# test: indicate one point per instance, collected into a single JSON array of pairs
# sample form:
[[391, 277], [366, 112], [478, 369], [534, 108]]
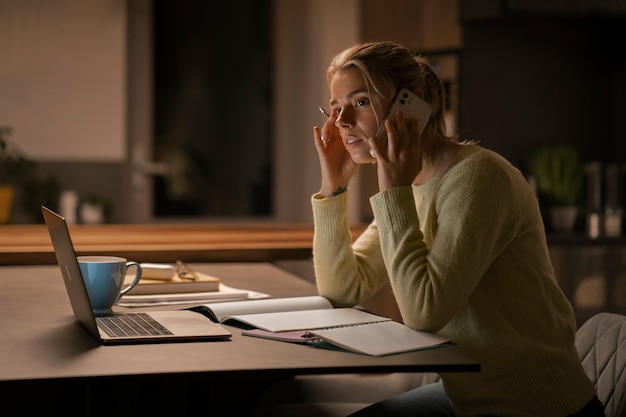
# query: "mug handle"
[[137, 277]]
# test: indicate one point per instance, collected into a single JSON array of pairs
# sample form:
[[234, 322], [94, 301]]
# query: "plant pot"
[[91, 213], [563, 219], [6, 203]]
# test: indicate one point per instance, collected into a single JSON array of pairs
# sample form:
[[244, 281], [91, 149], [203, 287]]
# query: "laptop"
[[123, 327]]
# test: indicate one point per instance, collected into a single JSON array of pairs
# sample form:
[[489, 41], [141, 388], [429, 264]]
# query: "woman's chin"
[[362, 157]]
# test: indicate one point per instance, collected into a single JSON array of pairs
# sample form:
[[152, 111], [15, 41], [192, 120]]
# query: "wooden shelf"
[[31, 245]]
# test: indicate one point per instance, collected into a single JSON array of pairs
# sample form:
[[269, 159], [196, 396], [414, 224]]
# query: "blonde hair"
[[387, 67]]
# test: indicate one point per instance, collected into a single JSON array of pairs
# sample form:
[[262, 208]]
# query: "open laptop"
[[123, 328]]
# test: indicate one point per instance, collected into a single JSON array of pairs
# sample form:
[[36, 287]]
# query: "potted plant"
[[558, 174], [94, 209], [14, 169]]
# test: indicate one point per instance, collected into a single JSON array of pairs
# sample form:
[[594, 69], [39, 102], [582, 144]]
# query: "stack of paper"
[[163, 284], [225, 293]]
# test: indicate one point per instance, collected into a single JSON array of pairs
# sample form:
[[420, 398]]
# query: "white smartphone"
[[412, 106]]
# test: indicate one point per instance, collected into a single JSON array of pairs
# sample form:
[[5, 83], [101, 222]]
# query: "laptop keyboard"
[[130, 324]]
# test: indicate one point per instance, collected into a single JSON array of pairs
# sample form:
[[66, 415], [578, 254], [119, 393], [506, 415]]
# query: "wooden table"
[[30, 244], [49, 363]]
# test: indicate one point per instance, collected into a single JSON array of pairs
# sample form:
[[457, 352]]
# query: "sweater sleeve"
[[472, 216], [346, 272]]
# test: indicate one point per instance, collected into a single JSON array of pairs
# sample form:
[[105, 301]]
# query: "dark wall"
[[528, 79]]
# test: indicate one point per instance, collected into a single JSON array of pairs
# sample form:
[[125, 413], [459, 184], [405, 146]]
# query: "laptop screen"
[[72, 277]]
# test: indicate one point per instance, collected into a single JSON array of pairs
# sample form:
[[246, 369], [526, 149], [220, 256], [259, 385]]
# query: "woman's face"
[[356, 118]]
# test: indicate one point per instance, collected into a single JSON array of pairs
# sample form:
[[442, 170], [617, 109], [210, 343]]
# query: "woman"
[[458, 234]]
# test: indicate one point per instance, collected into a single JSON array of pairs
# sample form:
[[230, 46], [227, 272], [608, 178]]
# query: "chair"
[[601, 346]]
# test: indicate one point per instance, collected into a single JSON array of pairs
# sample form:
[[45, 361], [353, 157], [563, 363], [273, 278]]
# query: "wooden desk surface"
[[43, 349], [30, 244], [42, 340]]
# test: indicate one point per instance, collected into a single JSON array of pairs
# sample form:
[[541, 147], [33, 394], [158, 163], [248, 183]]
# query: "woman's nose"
[[344, 119]]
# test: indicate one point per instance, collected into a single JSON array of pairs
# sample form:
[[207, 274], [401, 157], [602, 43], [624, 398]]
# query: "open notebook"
[[126, 328], [314, 321]]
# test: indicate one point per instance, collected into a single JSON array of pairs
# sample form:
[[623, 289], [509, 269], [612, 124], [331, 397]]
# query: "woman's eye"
[[362, 102], [337, 111]]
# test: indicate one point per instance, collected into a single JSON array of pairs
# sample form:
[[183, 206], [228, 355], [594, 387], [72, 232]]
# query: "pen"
[[324, 112]]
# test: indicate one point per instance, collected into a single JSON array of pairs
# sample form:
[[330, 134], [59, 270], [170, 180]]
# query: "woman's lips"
[[351, 140]]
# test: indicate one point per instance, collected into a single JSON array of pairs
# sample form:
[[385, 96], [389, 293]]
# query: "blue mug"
[[104, 279]]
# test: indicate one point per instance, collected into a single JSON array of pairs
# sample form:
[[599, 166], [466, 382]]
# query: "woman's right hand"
[[337, 166]]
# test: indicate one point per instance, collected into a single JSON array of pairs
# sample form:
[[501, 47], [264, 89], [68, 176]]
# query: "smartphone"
[[412, 106]]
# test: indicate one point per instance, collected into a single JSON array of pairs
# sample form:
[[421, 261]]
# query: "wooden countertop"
[[31, 245]]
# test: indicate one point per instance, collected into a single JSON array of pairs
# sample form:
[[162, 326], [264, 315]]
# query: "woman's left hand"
[[400, 159]]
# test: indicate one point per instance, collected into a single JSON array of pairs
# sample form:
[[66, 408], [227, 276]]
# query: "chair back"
[[601, 346]]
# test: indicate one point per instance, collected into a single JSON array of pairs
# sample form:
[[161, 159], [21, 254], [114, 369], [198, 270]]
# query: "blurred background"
[[162, 111], [193, 111]]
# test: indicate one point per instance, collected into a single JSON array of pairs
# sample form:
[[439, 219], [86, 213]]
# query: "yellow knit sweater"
[[467, 258]]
